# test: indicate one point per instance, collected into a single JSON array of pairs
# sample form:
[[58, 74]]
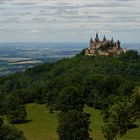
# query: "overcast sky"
[[68, 20]]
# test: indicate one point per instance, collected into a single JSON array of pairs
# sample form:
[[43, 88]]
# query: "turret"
[[91, 40], [112, 40], [91, 43], [104, 39], [118, 44], [97, 38], [97, 35]]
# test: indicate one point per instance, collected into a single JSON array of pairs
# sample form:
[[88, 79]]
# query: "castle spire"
[[119, 43], [112, 40], [97, 38], [97, 35], [91, 40], [104, 39]]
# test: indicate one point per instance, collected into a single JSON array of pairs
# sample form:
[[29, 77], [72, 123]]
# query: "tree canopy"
[[70, 84]]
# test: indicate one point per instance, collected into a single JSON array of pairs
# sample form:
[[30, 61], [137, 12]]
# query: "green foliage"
[[73, 125], [70, 98], [110, 131], [8, 132], [16, 111], [135, 100], [73, 122], [1, 122], [98, 77], [2, 110], [82, 52], [122, 116], [119, 122], [129, 56], [71, 83]]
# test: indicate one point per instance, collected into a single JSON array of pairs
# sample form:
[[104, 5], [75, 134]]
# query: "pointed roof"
[[91, 40], [104, 39], [97, 37], [112, 40], [118, 42]]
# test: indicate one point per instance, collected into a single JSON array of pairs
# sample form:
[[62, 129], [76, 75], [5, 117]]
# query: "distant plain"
[[16, 57]]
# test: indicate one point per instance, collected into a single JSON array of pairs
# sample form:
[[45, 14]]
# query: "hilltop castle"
[[104, 47]]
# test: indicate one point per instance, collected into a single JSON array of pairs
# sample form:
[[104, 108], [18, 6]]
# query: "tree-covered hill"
[[70, 84], [99, 78]]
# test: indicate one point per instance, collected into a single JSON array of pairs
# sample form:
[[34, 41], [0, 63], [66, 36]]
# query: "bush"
[[11, 133], [16, 111]]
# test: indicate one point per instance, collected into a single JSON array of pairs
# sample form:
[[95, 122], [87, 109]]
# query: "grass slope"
[[43, 125]]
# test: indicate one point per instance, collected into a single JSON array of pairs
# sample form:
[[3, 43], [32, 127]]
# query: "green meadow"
[[42, 125]]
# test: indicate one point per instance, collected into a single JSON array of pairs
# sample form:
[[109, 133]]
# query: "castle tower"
[[112, 40], [118, 44], [91, 40], [91, 43], [104, 39], [97, 38]]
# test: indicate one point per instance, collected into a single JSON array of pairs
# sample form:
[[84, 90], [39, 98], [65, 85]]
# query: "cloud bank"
[[69, 20]]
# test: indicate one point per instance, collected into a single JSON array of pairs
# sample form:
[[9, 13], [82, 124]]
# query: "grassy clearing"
[[43, 125]]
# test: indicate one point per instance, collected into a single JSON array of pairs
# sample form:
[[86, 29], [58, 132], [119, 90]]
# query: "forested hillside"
[[97, 77], [70, 84]]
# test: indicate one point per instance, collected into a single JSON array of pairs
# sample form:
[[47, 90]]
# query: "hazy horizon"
[[63, 42]]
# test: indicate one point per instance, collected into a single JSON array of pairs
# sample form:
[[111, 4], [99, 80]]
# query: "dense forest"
[[110, 84]]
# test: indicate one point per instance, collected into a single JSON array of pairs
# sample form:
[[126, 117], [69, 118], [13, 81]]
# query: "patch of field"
[[26, 62], [14, 59], [96, 123], [2, 68], [43, 125]]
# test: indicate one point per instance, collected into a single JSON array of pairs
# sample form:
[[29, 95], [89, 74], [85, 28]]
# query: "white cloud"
[[34, 31], [48, 18]]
